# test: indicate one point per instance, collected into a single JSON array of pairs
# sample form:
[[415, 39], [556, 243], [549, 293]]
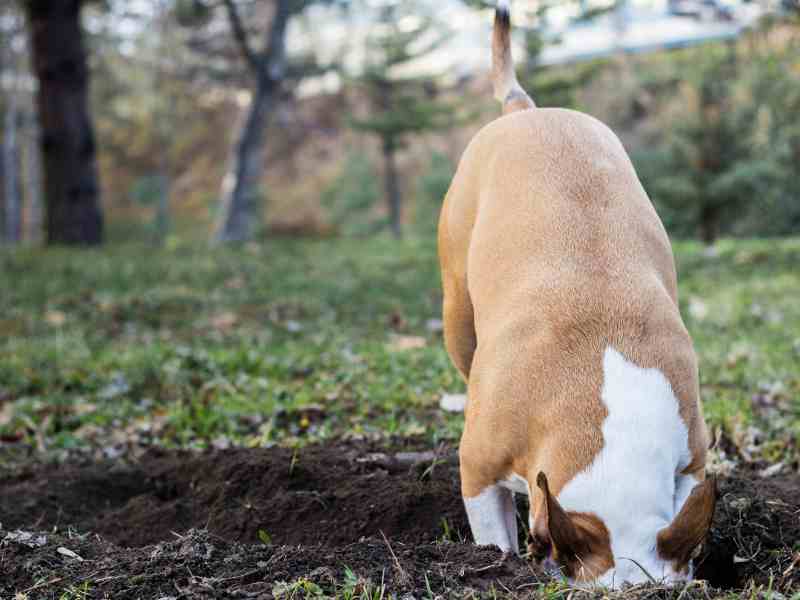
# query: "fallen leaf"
[[697, 308], [771, 470], [69, 553], [56, 318], [407, 342], [6, 414], [453, 402], [235, 283], [26, 538], [434, 325], [224, 321]]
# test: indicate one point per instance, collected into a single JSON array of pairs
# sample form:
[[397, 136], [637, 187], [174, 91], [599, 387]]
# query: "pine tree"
[[713, 165], [403, 101]]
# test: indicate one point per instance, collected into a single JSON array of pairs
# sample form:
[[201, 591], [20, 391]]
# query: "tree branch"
[[274, 53], [241, 36]]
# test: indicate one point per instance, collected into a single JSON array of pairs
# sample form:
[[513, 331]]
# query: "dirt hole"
[[338, 501]]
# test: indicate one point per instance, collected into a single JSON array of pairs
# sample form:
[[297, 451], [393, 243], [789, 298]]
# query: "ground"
[[195, 422]]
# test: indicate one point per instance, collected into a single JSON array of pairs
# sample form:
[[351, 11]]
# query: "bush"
[[725, 165]]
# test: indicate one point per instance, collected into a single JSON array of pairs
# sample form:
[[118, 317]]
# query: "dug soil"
[[274, 522]]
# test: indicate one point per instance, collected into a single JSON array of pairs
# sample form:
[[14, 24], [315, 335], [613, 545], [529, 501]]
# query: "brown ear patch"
[[579, 542], [680, 539], [598, 558], [560, 529]]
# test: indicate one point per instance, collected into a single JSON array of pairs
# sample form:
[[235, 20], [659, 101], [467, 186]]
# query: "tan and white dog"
[[561, 312]]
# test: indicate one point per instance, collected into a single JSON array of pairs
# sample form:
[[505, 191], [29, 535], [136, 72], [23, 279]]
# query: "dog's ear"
[[557, 528], [683, 536]]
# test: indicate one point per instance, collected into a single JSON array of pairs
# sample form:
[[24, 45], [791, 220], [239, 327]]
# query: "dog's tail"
[[506, 87]]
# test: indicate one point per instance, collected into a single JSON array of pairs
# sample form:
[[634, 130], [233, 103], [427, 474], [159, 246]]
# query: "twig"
[[394, 556], [240, 35], [42, 584], [401, 573]]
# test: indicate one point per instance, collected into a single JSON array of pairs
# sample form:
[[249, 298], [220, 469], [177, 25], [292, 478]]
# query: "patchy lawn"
[[291, 342], [115, 362]]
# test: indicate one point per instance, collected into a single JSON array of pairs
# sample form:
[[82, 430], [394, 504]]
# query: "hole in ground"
[[334, 495]]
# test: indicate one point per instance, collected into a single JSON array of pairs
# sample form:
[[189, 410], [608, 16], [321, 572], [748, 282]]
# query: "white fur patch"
[[633, 484], [515, 483], [493, 519]]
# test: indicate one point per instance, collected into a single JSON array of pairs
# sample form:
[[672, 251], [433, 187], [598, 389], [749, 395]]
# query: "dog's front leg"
[[493, 519]]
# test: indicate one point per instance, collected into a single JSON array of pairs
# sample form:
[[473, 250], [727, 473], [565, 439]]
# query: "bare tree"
[[239, 219]]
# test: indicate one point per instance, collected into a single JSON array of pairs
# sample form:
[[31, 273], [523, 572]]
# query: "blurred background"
[[218, 216], [158, 120]]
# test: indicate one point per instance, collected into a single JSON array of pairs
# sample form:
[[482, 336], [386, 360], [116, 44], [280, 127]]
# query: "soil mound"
[[322, 494], [254, 523]]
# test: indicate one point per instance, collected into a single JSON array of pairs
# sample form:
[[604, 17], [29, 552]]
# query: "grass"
[[290, 342]]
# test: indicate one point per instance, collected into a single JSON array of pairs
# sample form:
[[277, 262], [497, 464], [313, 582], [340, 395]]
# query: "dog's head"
[[579, 546]]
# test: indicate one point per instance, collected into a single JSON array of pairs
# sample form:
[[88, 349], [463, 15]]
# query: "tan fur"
[[566, 256], [550, 252], [506, 88]]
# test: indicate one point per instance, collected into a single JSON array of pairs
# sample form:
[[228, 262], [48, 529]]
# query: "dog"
[[561, 313]]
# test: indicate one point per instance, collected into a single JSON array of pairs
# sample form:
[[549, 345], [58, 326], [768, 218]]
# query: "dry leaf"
[[453, 402], [56, 318], [434, 325], [6, 414], [224, 321], [407, 342], [69, 553]]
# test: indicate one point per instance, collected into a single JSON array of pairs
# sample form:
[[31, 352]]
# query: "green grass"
[[295, 341]]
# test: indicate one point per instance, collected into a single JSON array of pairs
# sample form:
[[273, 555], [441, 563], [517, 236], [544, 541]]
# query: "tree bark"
[[393, 197], [12, 193], [33, 182], [240, 219], [710, 223], [71, 189]]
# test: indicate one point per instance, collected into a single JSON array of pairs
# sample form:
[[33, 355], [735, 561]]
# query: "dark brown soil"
[[325, 508], [324, 494]]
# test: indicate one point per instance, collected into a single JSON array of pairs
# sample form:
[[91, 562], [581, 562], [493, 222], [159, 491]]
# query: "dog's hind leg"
[[459, 326], [492, 518]]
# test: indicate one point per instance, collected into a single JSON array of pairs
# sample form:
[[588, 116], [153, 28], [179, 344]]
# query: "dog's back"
[[563, 256]]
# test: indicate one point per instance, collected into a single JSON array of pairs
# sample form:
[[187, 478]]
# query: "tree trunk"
[[162, 210], [33, 182], [393, 197], [709, 224], [71, 187], [241, 196], [240, 218], [12, 194]]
